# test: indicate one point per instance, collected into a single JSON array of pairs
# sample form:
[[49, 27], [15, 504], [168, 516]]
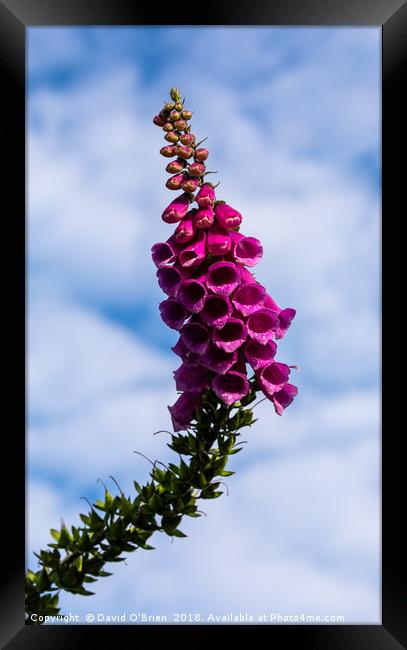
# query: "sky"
[[292, 117]]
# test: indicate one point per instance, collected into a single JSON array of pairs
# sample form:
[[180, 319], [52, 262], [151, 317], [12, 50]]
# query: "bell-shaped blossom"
[[184, 352], [204, 217], [216, 310], [191, 377], [273, 377], [169, 278], [218, 240], [176, 210], [205, 196], [183, 411], [196, 337], [262, 325], [248, 298], [259, 355], [195, 253], [246, 250], [218, 360], [285, 316], [185, 231], [164, 253], [227, 217], [231, 336], [172, 313], [222, 278], [230, 387], [284, 397], [191, 294]]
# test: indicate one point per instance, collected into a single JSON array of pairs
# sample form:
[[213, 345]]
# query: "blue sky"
[[292, 117]]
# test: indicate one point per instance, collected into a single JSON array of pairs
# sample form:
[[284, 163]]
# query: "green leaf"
[[55, 534]]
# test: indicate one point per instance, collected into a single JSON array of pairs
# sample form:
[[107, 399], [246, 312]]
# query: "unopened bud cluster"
[[225, 317]]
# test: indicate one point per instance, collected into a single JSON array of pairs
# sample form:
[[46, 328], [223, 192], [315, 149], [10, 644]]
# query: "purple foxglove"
[[231, 336], [185, 231], [222, 278], [191, 377], [285, 316], [191, 294], [259, 355], [284, 397], [215, 311], [246, 250], [204, 217], [175, 182], [218, 360], [169, 278], [195, 253], [230, 387], [190, 184], [183, 411], [218, 240], [248, 298], [227, 217], [262, 325], [273, 378], [176, 210], [184, 352], [164, 253], [196, 337], [206, 196], [201, 154], [172, 313]]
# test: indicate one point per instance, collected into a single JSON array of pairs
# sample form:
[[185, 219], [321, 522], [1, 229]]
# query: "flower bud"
[[178, 106], [175, 94], [168, 151], [197, 169], [159, 120], [168, 106], [190, 184], [227, 216], [187, 138], [174, 116], [201, 154], [164, 114], [184, 152], [176, 166], [186, 115], [180, 125], [204, 217], [171, 137], [185, 231], [168, 127], [175, 182], [176, 210], [205, 196]]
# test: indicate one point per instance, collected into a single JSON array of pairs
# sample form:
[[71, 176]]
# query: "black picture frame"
[[15, 17]]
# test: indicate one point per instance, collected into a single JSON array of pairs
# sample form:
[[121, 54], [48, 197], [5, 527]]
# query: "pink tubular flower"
[[185, 231], [259, 355], [184, 352], [216, 311], [169, 278], [231, 336], [230, 387], [248, 298], [204, 217], [196, 337], [285, 316], [218, 360], [164, 253], [183, 411], [206, 196], [273, 377], [227, 217], [195, 253], [191, 294], [246, 250], [176, 210], [218, 241], [191, 377], [262, 325], [172, 313], [284, 397], [222, 278]]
